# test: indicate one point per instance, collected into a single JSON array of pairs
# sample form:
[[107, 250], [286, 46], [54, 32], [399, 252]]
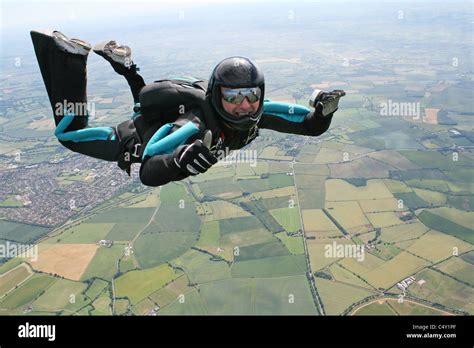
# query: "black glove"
[[195, 158], [326, 103]]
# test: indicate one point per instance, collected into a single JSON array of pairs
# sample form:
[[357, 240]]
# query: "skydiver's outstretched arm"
[[298, 119], [62, 62]]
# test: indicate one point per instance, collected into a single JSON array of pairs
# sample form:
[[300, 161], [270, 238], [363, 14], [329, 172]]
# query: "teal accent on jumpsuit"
[[188, 79], [81, 135], [162, 142], [290, 112]]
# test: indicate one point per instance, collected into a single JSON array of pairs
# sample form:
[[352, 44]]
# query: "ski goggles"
[[237, 95]]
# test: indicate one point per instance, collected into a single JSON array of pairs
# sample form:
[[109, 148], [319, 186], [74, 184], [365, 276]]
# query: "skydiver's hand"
[[195, 158], [326, 103]]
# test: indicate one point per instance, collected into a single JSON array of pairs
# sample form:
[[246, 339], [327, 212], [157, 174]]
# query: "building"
[[105, 243], [405, 283]]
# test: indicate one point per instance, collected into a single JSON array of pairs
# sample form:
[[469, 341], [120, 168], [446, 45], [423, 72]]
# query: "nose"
[[245, 104]]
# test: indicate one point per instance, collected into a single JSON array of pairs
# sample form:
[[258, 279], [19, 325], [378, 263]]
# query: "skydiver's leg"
[[120, 57], [136, 83], [63, 67]]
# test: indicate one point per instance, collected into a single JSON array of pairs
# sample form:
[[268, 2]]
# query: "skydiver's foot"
[[120, 57], [65, 44]]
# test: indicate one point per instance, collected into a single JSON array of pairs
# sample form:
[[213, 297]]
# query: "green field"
[[432, 159], [171, 218], [173, 194], [11, 201], [200, 268], [272, 182], [278, 266], [27, 292], [288, 218], [103, 265], [411, 200], [172, 291], [284, 296], [59, 295], [311, 198], [123, 215], [423, 173], [136, 285], [218, 186], [85, 233], [293, 244], [97, 286], [465, 203], [455, 98], [244, 296], [121, 306], [444, 290], [125, 231], [462, 218], [192, 305], [390, 272], [243, 238], [469, 257], [343, 275], [442, 246], [229, 296], [376, 308], [410, 308], [386, 251], [153, 249], [429, 184], [276, 202], [393, 307], [260, 251], [210, 234], [263, 215], [336, 297], [163, 297], [21, 233], [458, 268], [128, 263], [447, 226], [10, 264], [9, 280], [102, 305], [433, 197], [142, 307], [403, 232], [239, 224]]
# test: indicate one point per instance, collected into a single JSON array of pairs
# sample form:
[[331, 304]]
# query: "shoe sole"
[[72, 46], [111, 57]]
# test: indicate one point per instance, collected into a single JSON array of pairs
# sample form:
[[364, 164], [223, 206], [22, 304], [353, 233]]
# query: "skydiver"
[[225, 112]]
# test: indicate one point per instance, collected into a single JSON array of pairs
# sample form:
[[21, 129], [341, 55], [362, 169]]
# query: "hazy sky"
[[93, 19], [18, 14]]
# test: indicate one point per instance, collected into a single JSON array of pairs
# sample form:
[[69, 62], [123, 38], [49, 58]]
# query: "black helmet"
[[236, 72]]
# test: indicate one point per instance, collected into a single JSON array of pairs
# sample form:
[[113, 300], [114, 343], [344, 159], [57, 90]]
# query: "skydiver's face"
[[242, 109]]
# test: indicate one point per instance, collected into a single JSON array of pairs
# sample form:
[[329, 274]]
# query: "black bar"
[[243, 330]]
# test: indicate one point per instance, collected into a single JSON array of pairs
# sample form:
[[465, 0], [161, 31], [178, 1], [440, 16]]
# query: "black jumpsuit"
[[64, 75]]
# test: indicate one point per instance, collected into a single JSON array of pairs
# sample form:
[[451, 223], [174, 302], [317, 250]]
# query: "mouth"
[[242, 113]]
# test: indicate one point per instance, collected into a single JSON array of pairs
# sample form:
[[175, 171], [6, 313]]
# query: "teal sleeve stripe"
[[163, 143], [81, 135], [188, 79], [287, 111]]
